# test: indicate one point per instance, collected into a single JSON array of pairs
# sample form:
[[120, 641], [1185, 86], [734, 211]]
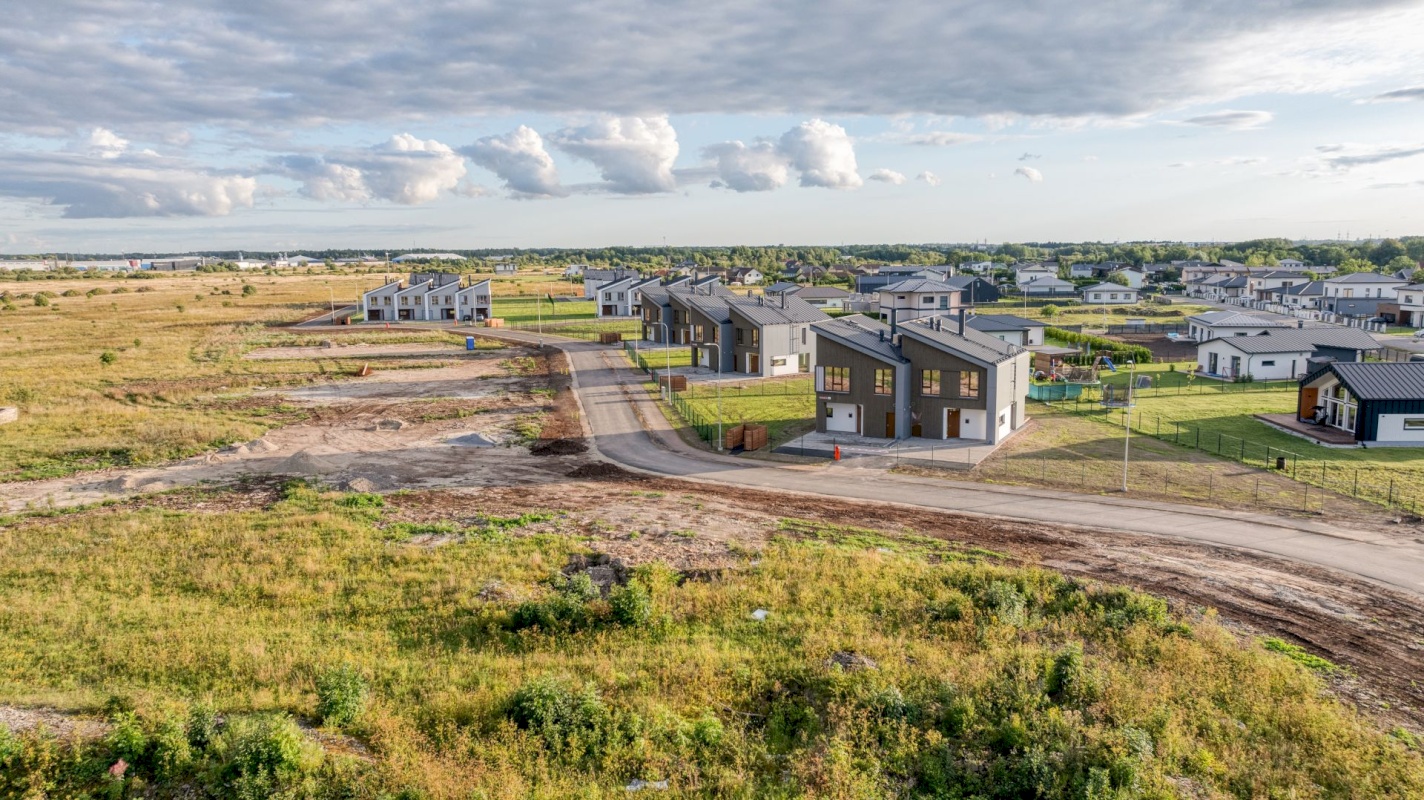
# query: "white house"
[[912, 299], [1217, 324], [1260, 286], [506, 268], [1135, 277], [1109, 294], [1411, 305], [428, 296], [1023, 273], [1282, 354], [1301, 295], [976, 267], [615, 299], [1008, 328], [1362, 285], [745, 276], [1047, 286], [1381, 404], [1290, 263], [378, 305], [594, 278], [574, 270]]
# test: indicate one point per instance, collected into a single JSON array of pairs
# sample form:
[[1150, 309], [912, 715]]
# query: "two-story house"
[[772, 335], [917, 298], [933, 377]]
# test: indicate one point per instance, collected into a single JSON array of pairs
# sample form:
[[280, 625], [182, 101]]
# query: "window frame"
[[884, 381], [931, 387], [969, 384]]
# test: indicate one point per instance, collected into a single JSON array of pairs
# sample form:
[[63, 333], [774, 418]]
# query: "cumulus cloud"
[[1033, 175], [928, 177], [100, 143], [108, 182], [403, 169], [520, 160], [823, 153], [634, 154], [758, 167], [1400, 95], [941, 138], [1233, 120], [887, 176]]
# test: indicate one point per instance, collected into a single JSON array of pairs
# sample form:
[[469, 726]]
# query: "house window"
[[697, 333], [1112, 296], [833, 379], [803, 336], [929, 382], [740, 336], [387, 299], [1414, 424], [927, 300], [447, 299], [1268, 363], [944, 301], [969, 384], [884, 381], [405, 301], [756, 337]]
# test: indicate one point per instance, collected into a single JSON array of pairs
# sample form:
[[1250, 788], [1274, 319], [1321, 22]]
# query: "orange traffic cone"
[[838, 452]]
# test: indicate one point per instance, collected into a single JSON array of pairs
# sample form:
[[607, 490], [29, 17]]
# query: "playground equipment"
[[1117, 397]]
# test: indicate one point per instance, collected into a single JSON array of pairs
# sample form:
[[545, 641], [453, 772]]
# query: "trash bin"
[[469, 343], [1281, 463]]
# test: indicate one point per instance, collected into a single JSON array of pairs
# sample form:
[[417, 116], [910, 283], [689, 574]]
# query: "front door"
[[610, 311], [951, 423], [1235, 366], [375, 315], [890, 425], [404, 313], [753, 363], [1211, 364], [449, 313]]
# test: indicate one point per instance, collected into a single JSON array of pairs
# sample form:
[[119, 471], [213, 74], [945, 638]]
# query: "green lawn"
[[787, 407], [529, 310], [1095, 316], [655, 356]]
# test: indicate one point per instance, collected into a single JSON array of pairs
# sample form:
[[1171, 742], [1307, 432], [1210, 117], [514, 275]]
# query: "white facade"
[[1219, 359], [1046, 286], [1411, 305], [1109, 294], [1135, 278], [1360, 285], [842, 418], [914, 305], [378, 305], [614, 299], [1400, 428]]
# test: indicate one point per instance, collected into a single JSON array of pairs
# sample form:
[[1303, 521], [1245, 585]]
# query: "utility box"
[[610, 337], [677, 383]]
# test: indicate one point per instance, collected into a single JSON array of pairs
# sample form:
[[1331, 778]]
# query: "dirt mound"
[[390, 425], [604, 570], [359, 485], [472, 440], [850, 661], [558, 447], [600, 471], [306, 463]]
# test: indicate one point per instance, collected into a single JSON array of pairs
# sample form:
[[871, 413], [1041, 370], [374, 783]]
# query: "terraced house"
[[934, 378], [428, 296]]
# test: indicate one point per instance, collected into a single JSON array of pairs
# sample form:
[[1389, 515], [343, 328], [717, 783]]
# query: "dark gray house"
[[772, 335], [933, 378], [655, 304], [974, 289], [1380, 403]]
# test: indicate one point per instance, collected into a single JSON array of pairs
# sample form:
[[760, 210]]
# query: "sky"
[[135, 126]]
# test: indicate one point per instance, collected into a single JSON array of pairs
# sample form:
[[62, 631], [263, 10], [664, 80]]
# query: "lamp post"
[[1127, 427]]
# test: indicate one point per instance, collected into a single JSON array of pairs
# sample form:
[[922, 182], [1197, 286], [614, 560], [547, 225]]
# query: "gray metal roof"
[[1236, 319], [714, 307], [1108, 287], [1365, 277], [919, 285], [1382, 380], [779, 310], [823, 292], [1001, 322], [941, 332], [1301, 340], [1304, 289], [862, 333], [783, 286]]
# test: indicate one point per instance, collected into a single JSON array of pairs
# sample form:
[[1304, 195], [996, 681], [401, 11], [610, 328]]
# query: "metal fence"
[[1091, 395], [1365, 484], [1149, 327]]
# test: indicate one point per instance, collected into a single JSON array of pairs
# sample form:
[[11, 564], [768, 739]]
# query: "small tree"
[[341, 695], [1050, 311], [248, 290], [107, 357]]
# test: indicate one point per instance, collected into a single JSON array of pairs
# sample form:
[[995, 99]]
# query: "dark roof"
[[822, 293], [940, 332], [785, 309], [1304, 289], [1001, 322], [919, 285], [1301, 340], [1382, 380], [714, 307], [965, 281], [783, 286], [862, 333]]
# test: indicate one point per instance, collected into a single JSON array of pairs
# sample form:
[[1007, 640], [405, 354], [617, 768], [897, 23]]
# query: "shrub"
[[41, 300], [70, 293], [108, 357], [573, 722], [362, 500], [202, 729], [248, 290], [1006, 603], [170, 751], [567, 609], [341, 695], [127, 739], [632, 605], [266, 749]]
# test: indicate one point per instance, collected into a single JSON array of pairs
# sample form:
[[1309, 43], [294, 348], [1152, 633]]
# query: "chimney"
[[961, 322], [761, 299], [893, 326], [882, 334]]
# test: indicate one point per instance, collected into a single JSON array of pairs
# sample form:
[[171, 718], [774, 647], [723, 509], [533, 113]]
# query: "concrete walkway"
[[628, 429]]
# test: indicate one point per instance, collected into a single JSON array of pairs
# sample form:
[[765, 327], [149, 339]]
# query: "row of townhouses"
[[428, 296], [765, 335]]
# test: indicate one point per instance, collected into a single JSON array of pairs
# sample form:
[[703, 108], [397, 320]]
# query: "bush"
[[362, 500], [267, 749], [70, 293], [107, 357], [41, 300], [632, 605], [567, 609], [202, 729], [341, 695], [1120, 350], [574, 723], [248, 290]]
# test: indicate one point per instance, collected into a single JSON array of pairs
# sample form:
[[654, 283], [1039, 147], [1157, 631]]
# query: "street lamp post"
[[1127, 427]]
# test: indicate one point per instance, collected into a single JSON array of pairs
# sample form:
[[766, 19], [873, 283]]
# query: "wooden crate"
[[754, 438], [677, 382], [613, 337], [733, 437], [494, 322]]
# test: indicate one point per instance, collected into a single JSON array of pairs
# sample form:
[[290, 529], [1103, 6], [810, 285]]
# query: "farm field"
[[429, 644]]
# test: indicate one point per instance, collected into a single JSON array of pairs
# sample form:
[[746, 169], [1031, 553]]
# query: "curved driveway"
[[629, 430]]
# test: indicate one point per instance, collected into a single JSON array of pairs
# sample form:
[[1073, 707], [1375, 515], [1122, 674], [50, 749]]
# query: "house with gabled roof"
[[772, 335], [1009, 328], [1280, 354], [1109, 294], [917, 297], [1214, 324], [1305, 295], [428, 296], [1379, 404], [933, 377]]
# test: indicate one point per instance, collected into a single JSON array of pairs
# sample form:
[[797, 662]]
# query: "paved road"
[[628, 429]]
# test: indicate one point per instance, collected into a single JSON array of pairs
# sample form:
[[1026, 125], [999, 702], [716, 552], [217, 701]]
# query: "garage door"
[[841, 418]]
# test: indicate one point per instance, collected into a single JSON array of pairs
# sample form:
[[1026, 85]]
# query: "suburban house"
[[621, 298], [1361, 285], [1411, 305], [974, 289], [1024, 273], [1008, 328], [744, 276], [1047, 286], [1080, 271], [772, 335], [1291, 264], [428, 296], [915, 298], [1214, 324], [659, 319], [1261, 286], [595, 278], [574, 270], [1135, 277], [1282, 354], [822, 297], [1301, 295], [977, 267], [506, 268], [1109, 294], [934, 378], [1380, 403], [870, 284]]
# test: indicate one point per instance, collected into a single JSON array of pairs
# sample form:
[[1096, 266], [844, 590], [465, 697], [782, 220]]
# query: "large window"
[[969, 384], [884, 381], [929, 382], [756, 337], [833, 379], [741, 336], [1414, 424]]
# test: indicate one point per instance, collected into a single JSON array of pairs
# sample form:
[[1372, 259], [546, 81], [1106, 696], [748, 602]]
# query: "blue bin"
[[469, 343]]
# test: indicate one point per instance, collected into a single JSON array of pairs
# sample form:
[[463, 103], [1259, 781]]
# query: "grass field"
[[529, 310], [786, 406], [1095, 316], [129, 376], [486, 679]]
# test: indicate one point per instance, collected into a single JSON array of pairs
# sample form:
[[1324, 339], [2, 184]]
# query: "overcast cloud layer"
[[211, 108]]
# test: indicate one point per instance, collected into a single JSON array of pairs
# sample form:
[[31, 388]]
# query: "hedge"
[[1121, 351]]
